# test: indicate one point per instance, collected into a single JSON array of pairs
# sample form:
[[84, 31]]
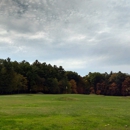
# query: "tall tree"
[[126, 87], [95, 78]]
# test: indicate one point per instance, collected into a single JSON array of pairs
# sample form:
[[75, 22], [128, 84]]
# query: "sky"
[[80, 35]]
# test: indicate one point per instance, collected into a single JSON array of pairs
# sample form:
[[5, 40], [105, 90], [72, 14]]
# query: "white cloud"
[[69, 64]]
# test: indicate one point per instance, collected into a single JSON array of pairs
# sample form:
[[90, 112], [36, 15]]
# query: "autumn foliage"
[[23, 77]]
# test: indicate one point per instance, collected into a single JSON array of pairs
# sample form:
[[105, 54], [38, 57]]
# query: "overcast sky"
[[79, 35]]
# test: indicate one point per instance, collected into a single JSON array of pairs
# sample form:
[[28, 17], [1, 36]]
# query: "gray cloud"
[[82, 36]]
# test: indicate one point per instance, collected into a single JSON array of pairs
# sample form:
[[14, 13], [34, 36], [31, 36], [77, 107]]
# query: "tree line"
[[23, 77]]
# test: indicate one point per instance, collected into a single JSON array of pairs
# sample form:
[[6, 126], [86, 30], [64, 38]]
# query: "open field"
[[64, 112]]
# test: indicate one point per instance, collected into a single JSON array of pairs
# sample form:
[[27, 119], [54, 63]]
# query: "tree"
[[113, 89], [52, 84], [117, 78], [19, 83], [6, 76], [73, 86], [101, 88], [95, 78], [64, 86], [126, 87]]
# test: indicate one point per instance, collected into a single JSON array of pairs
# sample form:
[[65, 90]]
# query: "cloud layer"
[[82, 36]]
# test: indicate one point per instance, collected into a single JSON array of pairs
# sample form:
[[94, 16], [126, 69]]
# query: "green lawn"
[[64, 112]]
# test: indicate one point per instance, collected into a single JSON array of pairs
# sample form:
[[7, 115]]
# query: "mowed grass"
[[64, 112]]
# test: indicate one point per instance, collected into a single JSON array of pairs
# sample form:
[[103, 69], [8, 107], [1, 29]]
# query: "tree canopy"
[[23, 77]]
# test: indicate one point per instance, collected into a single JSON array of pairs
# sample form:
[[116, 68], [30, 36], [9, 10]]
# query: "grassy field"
[[64, 112]]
